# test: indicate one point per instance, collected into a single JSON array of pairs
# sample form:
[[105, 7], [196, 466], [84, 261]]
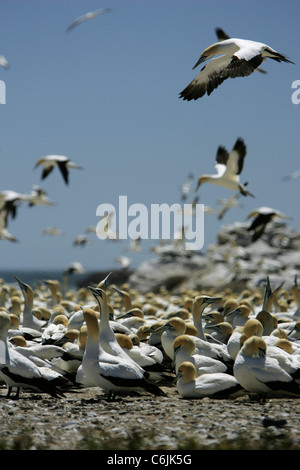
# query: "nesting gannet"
[[126, 298], [42, 356], [176, 327], [238, 58], [262, 216], [229, 167], [111, 372], [64, 164], [107, 336], [185, 350], [268, 321], [220, 332], [252, 327], [133, 319], [28, 319], [148, 349], [87, 16], [287, 361], [155, 333], [260, 374], [239, 316], [147, 361], [170, 330], [55, 333], [55, 290], [215, 385], [222, 36], [19, 372], [199, 304]]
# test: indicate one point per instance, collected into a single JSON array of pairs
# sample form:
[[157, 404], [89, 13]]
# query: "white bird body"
[[237, 58], [252, 327], [18, 371], [222, 36], [54, 334], [229, 167], [107, 337], [148, 362], [261, 374], [28, 319], [184, 350], [110, 372], [217, 384], [170, 330], [214, 350]]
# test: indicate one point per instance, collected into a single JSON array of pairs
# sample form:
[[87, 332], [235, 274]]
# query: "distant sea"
[[34, 277]]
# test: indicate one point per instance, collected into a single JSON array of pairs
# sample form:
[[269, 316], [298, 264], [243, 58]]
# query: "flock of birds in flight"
[[52, 344], [228, 58]]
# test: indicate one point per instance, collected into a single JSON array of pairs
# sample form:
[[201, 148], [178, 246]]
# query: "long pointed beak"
[[162, 328], [213, 299], [21, 284], [95, 291]]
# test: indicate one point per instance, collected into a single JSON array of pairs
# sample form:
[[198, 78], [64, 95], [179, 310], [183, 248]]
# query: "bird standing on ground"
[[260, 374], [19, 372], [237, 58], [110, 372], [229, 167], [215, 385], [28, 319]]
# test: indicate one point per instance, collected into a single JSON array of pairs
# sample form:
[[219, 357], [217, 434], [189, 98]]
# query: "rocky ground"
[[85, 420]]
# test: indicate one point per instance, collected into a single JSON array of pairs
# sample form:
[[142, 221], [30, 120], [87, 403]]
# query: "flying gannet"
[[236, 58], [222, 36], [261, 217], [229, 167], [88, 16], [64, 164]]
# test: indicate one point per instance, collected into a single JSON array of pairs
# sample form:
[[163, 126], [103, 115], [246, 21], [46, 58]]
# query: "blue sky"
[[106, 95]]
